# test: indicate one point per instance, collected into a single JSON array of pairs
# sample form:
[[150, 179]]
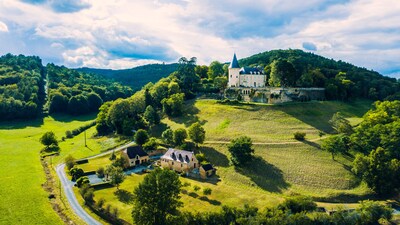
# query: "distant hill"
[[342, 80], [136, 77]]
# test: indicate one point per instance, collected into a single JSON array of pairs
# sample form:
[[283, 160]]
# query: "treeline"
[[21, 86], [343, 81], [136, 77], [375, 141], [297, 210], [145, 108], [78, 93]]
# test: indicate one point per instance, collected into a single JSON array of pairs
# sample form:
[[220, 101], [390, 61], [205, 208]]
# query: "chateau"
[[250, 84], [245, 76]]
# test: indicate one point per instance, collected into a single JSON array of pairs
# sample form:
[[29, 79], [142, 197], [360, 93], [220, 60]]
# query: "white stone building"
[[245, 76], [179, 160]]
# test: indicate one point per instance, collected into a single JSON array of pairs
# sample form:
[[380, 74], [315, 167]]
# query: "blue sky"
[[126, 33]]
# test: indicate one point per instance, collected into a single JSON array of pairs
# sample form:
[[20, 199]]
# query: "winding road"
[[69, 185]]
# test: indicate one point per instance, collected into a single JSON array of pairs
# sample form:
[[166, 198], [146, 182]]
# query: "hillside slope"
[[342, 80], [136, 77]]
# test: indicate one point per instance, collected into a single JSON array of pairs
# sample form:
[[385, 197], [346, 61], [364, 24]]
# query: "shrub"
[[82, 181], [68, 134], [76, 173], [100, 172], [207, 191], [100, 202], [69, 162], [151, 144], [298, 204], [299, 136], [196, 188]]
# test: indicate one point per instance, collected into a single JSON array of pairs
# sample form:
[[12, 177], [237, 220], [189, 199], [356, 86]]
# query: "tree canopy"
[[156, 197], [241, 150]]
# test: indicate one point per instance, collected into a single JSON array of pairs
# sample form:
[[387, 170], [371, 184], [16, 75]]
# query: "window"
[[181, 164], [172, 163], [231, 76]]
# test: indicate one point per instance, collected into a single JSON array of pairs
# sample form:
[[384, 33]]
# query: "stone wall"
[[275, 95]]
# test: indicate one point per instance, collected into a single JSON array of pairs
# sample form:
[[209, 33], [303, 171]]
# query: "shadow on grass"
[[265, 175], [193, 194], [21, 124], [211, 201], [214, 156], [348, 198], [63, 117], [313, 144], [157, 130], [189, 116], [124, 196]]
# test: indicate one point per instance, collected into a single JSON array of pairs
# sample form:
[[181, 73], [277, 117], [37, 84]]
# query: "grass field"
[[264, 123], [279, 170], [22, 199]]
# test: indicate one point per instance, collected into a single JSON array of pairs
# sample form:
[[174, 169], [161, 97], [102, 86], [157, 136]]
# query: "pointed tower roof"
[[234, 63]]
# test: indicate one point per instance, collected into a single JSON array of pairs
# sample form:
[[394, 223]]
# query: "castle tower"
[[234, 80]]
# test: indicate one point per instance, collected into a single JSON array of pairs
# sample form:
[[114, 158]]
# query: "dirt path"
[[268, 143]]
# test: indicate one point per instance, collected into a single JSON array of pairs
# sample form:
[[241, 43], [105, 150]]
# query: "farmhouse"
[[134, 155], [206, 170], [179, 160], [245, 76]]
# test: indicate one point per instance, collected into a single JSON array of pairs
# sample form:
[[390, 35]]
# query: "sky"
[[121, 34]]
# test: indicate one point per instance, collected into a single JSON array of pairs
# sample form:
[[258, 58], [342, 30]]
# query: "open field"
[[22, 199], [264, 123], [279, 170]]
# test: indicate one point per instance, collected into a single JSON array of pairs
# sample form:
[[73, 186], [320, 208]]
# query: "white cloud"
[[123, 33], [3, 27]]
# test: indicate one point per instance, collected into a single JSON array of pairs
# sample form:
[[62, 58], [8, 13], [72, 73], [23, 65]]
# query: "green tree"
[[156, 198], [336, 144], [168, 136], [49, 138], [151, 115], [378, 170], [371, 212], [151, 144], [173, 106], [116, 175], [141, 137], [197, 133], [215, 70], [282, 74], [118, 113], [78, 105], [241, 150], [94, 101], [341, 124], [58, 102], [179, 137], [186, 74], [173, 88], [69, 162], [201, 71], [221, 83]]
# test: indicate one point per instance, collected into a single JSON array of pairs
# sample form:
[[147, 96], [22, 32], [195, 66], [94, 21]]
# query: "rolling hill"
[[135, 77]]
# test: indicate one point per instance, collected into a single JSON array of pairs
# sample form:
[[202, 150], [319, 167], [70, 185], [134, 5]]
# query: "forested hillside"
[[22, 89], [342, 80], [78, 93], [21, 86], [136, 77]]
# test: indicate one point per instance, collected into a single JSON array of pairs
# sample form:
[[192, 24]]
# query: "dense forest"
[[21, 86], [342, 80], [136, 77], [78, 93], [23, 89]]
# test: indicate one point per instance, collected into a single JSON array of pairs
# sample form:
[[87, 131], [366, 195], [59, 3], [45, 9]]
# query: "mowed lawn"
[[264, 123], [22, 199]]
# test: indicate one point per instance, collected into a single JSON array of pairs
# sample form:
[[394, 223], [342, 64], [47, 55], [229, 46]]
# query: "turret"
[[234, 72]]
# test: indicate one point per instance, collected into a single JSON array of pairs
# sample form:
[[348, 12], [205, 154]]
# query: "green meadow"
[[22, 198], [282, 167]]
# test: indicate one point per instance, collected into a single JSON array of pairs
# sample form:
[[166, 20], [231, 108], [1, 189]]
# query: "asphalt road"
[[69, 193]]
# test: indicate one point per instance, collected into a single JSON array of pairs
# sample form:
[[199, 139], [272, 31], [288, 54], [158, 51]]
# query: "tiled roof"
[[133, 151], [178, 155], [234, 63], [251, 70], [207, 167]]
